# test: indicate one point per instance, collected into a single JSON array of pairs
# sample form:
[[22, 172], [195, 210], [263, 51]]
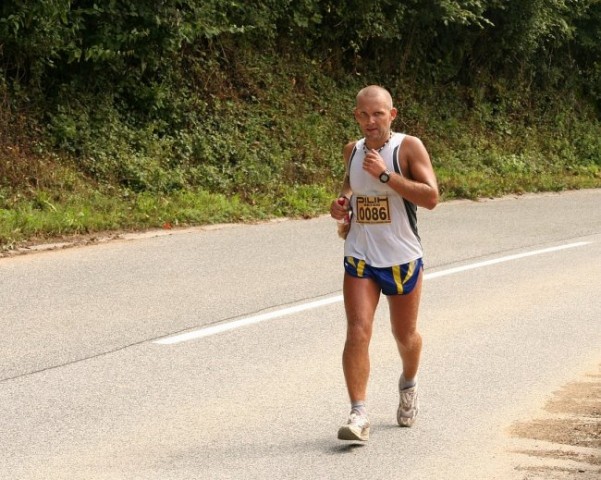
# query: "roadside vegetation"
[[123, 115]]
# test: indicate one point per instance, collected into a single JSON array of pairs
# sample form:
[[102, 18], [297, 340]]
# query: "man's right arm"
[[347, 151], [338, 211]]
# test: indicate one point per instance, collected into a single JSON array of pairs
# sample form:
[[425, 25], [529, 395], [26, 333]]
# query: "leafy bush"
[[181, 101]]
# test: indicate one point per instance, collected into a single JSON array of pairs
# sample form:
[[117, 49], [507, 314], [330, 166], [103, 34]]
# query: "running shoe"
[[408, 406], [357, 428]]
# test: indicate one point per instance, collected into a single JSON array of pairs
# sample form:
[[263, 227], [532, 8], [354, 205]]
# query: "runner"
[[387, 176]]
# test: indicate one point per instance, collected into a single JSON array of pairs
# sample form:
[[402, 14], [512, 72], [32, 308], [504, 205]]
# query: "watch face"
[[384, 177]]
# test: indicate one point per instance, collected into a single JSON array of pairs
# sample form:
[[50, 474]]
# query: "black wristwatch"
[[385, 176]]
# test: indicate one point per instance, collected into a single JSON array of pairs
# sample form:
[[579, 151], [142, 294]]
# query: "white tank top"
[[381, 244]]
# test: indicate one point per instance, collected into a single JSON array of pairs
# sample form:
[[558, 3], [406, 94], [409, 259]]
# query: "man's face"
[[374, 116]]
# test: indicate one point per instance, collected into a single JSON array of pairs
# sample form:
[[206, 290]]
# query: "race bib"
[[372, 210]]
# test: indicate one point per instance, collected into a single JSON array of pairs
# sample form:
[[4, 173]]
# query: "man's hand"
[[373, 163], [339, 208]]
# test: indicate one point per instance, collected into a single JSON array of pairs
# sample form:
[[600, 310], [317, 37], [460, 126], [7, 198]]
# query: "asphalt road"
[[214, 353]]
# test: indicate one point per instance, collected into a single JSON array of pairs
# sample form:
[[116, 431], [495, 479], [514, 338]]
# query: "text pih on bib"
[[372, 209]]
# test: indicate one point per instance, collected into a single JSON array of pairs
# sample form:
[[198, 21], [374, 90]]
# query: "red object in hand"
[[346, 218], [344, 223]]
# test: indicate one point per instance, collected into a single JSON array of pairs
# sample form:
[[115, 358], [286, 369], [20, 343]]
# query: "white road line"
[[508, 258], [224, 327]]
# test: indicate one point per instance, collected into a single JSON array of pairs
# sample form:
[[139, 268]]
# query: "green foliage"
[[177, 110]]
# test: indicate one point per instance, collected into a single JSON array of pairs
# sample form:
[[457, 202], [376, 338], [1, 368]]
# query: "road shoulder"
[[564, 442]]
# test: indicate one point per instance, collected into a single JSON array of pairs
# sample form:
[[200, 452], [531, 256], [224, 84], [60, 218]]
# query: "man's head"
[[374, 113], [374, 92]]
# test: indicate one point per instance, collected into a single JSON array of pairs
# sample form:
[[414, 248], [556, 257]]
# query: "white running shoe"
[[408, 406], [357, 428]]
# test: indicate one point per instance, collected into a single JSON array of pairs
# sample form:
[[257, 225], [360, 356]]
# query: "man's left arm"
[[418, 183]]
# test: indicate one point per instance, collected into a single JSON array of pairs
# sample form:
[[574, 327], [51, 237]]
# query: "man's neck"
[[379, 144]]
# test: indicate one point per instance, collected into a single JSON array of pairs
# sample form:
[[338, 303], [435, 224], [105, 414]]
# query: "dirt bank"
[[565, 442]]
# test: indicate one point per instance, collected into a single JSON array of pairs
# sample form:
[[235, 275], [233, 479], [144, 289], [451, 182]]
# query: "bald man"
[[388, 175]]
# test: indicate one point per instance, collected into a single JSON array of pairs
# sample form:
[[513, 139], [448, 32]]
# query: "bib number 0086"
[[373, 210]]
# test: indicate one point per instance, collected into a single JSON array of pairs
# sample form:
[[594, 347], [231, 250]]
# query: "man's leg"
[[361, 296], [403, 318]]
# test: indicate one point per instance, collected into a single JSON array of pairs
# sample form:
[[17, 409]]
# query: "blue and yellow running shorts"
[[395, 280]]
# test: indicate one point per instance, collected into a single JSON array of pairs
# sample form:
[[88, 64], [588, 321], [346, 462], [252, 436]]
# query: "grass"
[[44, 216], [277, 154]]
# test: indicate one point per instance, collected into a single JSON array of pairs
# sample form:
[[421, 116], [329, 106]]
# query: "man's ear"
[[393, 112]]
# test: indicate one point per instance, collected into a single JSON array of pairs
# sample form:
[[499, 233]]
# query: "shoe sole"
[[348, 433], [405, 422]]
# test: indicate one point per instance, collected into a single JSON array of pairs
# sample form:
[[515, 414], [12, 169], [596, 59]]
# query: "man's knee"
[[358, 333], [407, 338]]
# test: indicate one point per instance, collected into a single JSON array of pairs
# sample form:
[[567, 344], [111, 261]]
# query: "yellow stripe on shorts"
[[361, 267], [397, 274], [410, 271]]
